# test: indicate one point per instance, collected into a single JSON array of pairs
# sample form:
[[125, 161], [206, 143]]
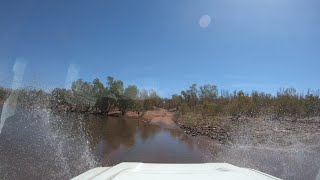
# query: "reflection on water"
[[146, 144], [118, 139], [46, 145]]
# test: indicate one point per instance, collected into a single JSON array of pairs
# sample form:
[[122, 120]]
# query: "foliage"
[[131, 92], [106, 103], [114, 86], [59, 96], [3, 93], [210, 109], [311, 105], [107, 98], [175, 101], [125, 104], [208, 93], [205, 101], [288, 103], [190, 96], [184, 108], [83, 93], [150, 99]]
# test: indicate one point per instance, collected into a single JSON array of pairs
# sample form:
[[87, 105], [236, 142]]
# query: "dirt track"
[[158, 116]]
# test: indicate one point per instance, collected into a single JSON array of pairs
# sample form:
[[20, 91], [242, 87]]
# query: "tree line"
[[106, 98], [206, 100]]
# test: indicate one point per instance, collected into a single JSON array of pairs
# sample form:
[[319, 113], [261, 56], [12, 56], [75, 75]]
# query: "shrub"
[[3, 94], [184, 108]]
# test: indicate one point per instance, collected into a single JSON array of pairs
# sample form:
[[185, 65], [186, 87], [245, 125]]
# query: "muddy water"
[[39, 144]]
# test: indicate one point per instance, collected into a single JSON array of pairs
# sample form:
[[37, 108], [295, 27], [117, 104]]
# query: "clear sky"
[[163, 44]]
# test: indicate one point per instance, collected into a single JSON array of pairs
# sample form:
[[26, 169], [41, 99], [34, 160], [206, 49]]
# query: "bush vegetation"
[[107, 98], [205, 101]]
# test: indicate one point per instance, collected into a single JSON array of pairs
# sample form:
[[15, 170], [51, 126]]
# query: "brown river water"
[[40, 144]]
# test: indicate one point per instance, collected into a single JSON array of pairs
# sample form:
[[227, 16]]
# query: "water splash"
[[73, 154], [10, 104], [39, 143]]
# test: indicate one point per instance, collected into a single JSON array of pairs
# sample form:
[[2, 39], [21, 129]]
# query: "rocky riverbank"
[[260, 131], [286, 148], [213, 132]]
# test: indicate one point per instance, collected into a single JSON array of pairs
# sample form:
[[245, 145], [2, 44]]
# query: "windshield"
[[85, 84]]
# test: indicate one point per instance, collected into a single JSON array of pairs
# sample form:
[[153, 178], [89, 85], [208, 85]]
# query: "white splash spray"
[[9, 106]]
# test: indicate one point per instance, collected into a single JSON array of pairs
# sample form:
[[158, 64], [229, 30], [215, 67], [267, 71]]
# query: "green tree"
[[208, 93], [190, 96], [193, 91], [115, 86], [98, 88], [77, 85], [288, 103], [82, 93], [131, 92], [106, 103], [176, 100], [143, 94], [59, 96], [312, 103], [3, 93], [125, 104]]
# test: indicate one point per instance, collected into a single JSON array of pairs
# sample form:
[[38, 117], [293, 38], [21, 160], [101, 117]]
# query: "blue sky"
[[252, 45]]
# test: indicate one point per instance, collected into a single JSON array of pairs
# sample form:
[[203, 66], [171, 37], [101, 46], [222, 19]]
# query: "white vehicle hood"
[[150, 171]]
